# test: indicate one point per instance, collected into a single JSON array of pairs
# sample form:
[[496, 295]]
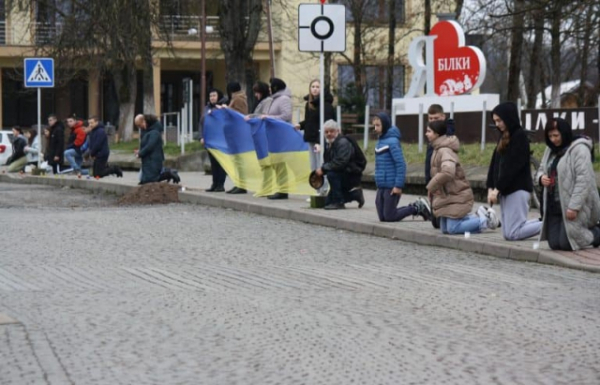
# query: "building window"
[[373, 11], [374, 89]]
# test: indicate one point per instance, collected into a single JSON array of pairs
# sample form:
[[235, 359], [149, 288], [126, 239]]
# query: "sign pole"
[[39, 123], [322, 106]]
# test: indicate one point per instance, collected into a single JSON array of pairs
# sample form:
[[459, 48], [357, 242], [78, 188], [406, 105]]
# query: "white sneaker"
[[492, 219], [482, 212]]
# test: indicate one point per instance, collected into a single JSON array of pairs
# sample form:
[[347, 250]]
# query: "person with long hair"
[[571, 202], [311, 125], [509, 179], [215, 99], [32, 149]]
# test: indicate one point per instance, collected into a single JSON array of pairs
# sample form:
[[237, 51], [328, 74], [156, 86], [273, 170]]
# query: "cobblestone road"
[[183, 294]]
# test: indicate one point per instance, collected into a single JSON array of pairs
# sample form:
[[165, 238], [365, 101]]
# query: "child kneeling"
[[452, 195]]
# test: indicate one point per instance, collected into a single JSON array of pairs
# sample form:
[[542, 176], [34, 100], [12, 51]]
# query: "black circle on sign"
[[313, 27]]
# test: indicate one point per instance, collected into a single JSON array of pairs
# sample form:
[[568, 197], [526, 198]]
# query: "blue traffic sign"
[[39, 72]]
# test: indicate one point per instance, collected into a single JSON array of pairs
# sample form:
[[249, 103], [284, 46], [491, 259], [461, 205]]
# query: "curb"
[[505, 251]]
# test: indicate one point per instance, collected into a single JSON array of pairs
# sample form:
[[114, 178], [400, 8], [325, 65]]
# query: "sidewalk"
[[362, 221]]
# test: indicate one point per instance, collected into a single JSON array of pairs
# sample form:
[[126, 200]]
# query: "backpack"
[[359, 156]]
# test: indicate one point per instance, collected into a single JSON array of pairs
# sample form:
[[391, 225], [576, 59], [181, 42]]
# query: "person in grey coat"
[[571, 202]]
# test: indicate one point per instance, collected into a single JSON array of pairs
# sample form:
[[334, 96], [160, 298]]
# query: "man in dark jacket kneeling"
[[151, 147], [341, 165]]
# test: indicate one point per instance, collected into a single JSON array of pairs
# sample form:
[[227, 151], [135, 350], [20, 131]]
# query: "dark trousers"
[[218, 173], [387, 206], [340, 184], [556, 233], [101, 168]]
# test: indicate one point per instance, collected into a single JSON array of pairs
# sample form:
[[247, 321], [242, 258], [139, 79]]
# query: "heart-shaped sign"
[[457, 69]]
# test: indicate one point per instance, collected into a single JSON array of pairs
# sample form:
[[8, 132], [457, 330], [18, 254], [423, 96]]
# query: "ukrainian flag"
[[283, 156], [261, 155], [228, 138]]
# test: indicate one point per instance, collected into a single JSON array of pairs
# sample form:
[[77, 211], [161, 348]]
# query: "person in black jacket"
[[509, 179], [56, 143], [342, 171], [17, 161], [312, 122], [99, 151], [151, 148], [215, 98]]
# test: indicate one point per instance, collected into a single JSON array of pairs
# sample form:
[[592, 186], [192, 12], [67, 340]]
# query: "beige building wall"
[[297, 69]]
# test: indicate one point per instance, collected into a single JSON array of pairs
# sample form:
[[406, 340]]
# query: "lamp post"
[[203, 59]]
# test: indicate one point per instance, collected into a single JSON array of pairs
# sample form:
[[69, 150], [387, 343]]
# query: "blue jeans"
[[471, 223], [74, 158]]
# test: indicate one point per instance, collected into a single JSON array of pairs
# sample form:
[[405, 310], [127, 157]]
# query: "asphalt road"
[[182, 294]]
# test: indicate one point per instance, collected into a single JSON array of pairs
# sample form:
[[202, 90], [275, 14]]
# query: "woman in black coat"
[[56, 143]]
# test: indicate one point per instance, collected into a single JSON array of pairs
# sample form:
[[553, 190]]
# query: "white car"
[[5, 146]]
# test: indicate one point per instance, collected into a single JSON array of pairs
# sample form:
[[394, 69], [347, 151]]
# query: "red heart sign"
[[457, 69]]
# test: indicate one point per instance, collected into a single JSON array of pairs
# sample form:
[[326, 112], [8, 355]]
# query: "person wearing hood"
[[17, 161], [571, 204], [453, 196], [76, 139], [215, 99], [281, 108], [509, 179], [390, 172], [311, 125], [151, 147], [99, 151]]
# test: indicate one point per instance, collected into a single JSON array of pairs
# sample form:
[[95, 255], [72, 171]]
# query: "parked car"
[[6, 138]]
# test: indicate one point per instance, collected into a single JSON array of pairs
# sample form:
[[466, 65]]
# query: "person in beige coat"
[[452, 195], [571, 204]]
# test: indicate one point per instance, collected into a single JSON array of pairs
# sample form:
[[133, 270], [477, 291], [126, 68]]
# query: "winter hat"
[[565, 130], [277, 85], [438, 126]]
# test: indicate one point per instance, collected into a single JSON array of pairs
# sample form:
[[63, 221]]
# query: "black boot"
[[278, 196], [117, 171], [596, 232]]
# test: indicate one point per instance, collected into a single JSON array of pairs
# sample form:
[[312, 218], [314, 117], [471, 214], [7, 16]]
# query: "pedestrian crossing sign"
[[39, 72]]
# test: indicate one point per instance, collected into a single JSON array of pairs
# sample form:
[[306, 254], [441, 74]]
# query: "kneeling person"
[[343, 168], [390, 171], [452, 195], [151, 148]]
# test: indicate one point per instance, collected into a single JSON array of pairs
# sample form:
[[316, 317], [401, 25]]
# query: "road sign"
[[322, 28], [39, 72]]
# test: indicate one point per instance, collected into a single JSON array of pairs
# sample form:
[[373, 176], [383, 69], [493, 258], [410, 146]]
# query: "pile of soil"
[[151, 194]]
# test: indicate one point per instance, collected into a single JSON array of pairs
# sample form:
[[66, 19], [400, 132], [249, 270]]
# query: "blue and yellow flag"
[[283, 156], [261, 155], [228, 138]]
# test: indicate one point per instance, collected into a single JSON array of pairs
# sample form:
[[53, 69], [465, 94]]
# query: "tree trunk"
[[555, 57], [239, 25], [148, 79], [427, 17], [516, 49], [458, 9], [534, 64], [126, 84], [389, 89], [585, 53]]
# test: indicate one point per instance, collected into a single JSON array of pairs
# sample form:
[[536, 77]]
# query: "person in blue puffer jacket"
[[390, 171]]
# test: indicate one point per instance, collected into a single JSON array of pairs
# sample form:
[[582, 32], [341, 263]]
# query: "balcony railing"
[[187, 28], [179, 28]]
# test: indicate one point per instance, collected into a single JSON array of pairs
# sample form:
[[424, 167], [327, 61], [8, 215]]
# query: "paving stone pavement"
[[186, 294], [362, 221]]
